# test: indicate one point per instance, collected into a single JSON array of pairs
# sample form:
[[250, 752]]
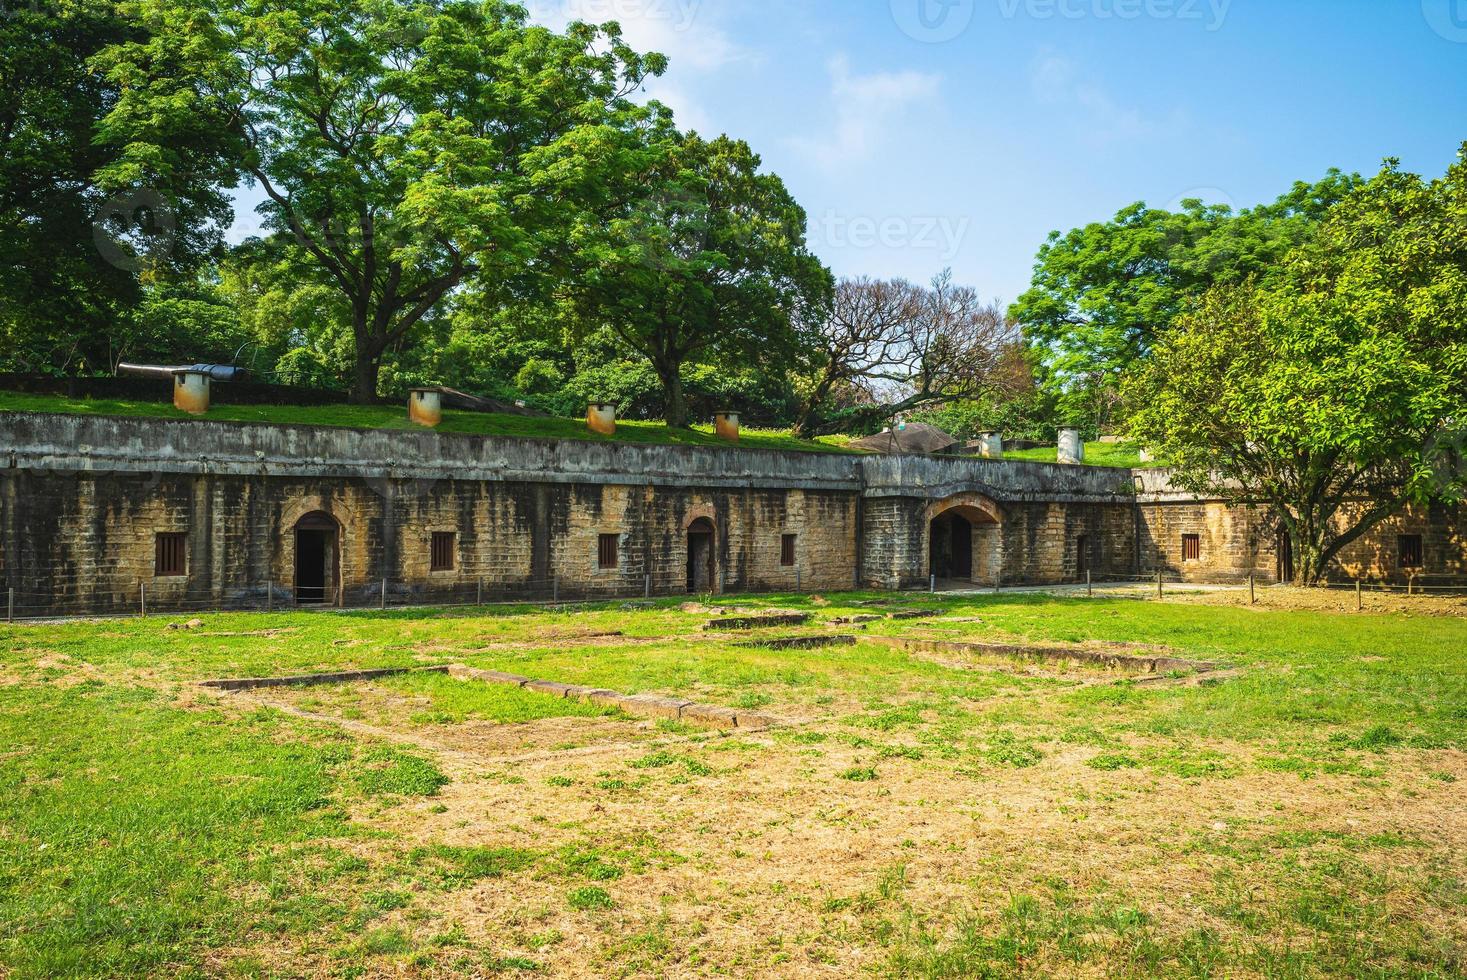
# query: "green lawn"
[[927, 819], [394, 417], [1121, 455]]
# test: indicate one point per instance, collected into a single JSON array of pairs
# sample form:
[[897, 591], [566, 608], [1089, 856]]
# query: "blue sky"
[[920, 134]]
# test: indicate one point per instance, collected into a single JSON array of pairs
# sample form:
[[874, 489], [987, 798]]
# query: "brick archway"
[[963, 539]]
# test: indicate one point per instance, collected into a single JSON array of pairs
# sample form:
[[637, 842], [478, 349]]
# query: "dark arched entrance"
[[950, 549], [964, 541], [317, 558], [701, 541]]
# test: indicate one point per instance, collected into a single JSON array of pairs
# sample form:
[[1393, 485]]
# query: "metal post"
[[646, 586], [998, 581], [10, 607], [1089, 584], [934, 585], [555, 589], [798, 586], [1159, 593], [382, 600], [1252, 590], [269, 596], [480, 601], [1359, 596], [142, 598]]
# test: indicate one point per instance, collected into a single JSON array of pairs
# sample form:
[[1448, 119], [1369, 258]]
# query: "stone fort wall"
[[83, 501]]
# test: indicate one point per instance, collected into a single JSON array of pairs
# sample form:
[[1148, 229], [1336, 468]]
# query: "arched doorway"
[[950, 547], [701, 551], [964, 541], [317, 559]]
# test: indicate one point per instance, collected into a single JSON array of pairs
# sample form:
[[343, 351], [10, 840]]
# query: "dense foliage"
[[1334, 391], [1104, 294]]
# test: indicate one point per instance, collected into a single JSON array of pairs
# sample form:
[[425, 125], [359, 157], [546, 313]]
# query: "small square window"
[[607, 548], [1413, 555], [170, 555], [787, 549], [442, 552], [1191, 547]]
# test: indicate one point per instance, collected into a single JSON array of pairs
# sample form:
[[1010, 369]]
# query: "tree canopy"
[[1329, 391], [403, 148], [1104, 294], [707, 261]]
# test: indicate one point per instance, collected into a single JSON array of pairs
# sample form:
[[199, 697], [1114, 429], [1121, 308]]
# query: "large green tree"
[[707, 262], [75, 253], [1103, 294], [1330, 393], [405, 148]]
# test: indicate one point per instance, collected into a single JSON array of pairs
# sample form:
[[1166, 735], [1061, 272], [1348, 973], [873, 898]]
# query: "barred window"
[[442, 551], [787, 549], [1413, 555], [170, 555], [606, 550], [1191, 547]]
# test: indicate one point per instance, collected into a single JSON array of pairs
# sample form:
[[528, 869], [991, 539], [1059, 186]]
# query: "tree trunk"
[[364, 385], [675, 409]]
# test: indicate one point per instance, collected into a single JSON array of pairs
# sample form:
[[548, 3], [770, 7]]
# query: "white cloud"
[[864, 106], [1056, 81], [686, 31]]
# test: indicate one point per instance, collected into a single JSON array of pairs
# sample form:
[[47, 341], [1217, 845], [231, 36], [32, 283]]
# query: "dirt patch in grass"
[[1332, 600], [767, 857]]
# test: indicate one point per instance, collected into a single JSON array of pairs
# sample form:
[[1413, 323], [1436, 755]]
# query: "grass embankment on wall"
[[1119, 455], [394, 417]]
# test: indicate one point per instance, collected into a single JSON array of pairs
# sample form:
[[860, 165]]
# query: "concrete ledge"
[[756, 622], [1129, 662], [462, 673], [801, 642], [310, 680]]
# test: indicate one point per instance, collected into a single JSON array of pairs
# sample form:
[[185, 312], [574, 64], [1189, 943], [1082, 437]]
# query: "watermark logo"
[[679, 15], [1446, 462], [1212, 14], [941, 234], [14, 8], [1209, 196], [932, 21], [135, 230], [1447, 17]]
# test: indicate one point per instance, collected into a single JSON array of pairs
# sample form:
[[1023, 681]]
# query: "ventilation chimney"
[[726, 426], [191, 392], [601, 418], [1071, 447], [425, 406]]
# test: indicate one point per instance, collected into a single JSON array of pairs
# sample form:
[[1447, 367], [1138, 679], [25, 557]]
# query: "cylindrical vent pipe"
[[601, 418], [425, 406], [191, 392], [1071, 447]]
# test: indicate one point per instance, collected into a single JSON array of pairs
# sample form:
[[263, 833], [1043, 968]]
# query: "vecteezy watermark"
[[1447, 17], [1209, 196], [932, 21], [941, 234], [679, 14], [1446, 460], [134, 230], [14, 8], [1212, 13]]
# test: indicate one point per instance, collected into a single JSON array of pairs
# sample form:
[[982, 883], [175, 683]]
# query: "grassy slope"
[[1122, 455], [193, 828], [389, 417]]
